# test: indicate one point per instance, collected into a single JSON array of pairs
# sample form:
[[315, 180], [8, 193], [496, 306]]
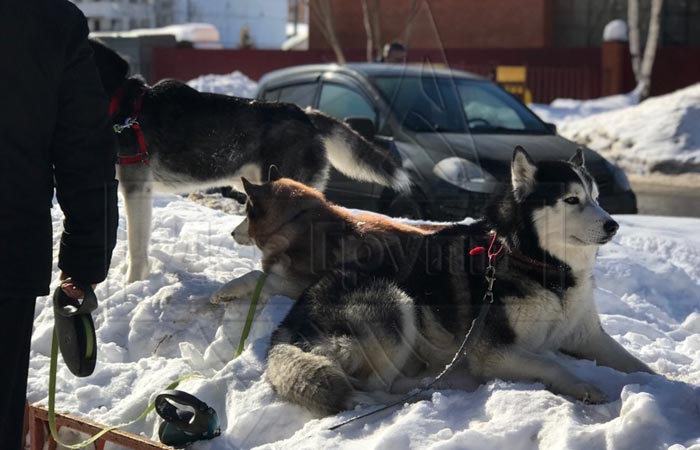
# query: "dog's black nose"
[[611, 227]]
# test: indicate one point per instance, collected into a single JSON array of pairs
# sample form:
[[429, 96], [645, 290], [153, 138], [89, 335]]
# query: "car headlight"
[[465, 174]]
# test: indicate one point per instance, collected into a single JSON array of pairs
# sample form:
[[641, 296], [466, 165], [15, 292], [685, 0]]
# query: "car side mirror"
[[551, 127], [363, 125]]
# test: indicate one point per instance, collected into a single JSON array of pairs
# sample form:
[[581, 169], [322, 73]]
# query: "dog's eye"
[[572, 200]]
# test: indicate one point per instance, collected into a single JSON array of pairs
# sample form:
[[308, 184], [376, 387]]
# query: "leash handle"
[[200, 424], [67, 307]]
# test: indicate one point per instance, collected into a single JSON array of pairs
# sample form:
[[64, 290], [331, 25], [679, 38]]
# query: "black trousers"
[[16, 320]]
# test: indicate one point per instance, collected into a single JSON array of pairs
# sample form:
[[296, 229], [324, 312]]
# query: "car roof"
[[368, 70]]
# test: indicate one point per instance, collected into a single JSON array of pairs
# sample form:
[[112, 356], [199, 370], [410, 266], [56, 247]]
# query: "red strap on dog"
[[490, 253], [142, 156]]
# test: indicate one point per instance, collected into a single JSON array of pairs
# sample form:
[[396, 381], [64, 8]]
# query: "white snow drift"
[[153, 331], [661, 134], [234, 83]]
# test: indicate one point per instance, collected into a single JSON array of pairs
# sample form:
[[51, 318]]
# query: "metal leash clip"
[[181, 427], [128, 123]]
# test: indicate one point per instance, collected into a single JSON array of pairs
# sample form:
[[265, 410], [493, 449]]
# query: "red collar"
[[535, 263], [131, 122], [492, 255]]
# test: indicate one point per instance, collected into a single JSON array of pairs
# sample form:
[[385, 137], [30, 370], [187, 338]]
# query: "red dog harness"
[[131, 122]]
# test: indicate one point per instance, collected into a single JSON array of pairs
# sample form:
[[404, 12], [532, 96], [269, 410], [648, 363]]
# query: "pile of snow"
[[234, 83], [661, 134], [154, 331], [562, 110]]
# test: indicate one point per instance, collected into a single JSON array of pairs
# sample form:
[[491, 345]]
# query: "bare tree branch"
[[368, 31], [322, 12], [633, 26], [413, 12], [644, 81], [376, 28]]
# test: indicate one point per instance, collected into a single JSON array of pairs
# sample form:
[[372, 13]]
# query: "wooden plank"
[[130, 440]]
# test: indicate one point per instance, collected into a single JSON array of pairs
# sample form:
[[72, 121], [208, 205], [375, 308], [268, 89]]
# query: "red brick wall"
[[446, 24], [551, 73]]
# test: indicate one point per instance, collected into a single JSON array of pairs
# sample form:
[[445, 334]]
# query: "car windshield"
[[458, 105]]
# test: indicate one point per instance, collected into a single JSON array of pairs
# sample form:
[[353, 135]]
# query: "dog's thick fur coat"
[[201, 140], [379, 325]]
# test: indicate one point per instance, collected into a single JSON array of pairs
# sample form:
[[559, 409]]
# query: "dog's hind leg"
[[313, 381], [136, 187], [517, 364]]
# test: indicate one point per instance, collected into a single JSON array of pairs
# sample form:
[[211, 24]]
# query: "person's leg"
[[16, 320]]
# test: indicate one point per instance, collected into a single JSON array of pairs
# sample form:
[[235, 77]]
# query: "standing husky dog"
[[194, 140], [381, 327]]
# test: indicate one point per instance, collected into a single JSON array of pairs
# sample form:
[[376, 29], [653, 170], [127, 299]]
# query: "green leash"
[[52, 402], [251, 314], [53, 367]]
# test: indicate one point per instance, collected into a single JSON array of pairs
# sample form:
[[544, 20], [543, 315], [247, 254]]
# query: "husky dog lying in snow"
[[301, 236], [199, 140], [378, 325]]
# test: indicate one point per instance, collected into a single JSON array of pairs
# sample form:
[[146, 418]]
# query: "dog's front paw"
[[218, 297], [240, 288], [587, 393], [137, 272]]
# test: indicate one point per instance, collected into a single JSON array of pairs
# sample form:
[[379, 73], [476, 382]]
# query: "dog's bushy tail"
[[355, 157], [312, 381]]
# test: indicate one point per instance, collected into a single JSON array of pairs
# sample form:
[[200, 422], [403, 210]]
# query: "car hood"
[[495, 151]]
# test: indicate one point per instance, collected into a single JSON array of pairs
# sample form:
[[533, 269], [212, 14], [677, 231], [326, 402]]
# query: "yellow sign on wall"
[[514, 80], [511, 74]]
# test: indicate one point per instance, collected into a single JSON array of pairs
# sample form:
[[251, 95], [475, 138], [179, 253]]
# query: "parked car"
[[453, 131]]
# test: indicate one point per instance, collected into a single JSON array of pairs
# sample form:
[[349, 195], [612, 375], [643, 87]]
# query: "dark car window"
[[341, 102], [299, 94], [271, 95], [459, 105]]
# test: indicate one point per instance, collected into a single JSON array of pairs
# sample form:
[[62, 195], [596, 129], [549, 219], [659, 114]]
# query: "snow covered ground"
[[566, 109], [234, 83], [154, 331], [661, 134]]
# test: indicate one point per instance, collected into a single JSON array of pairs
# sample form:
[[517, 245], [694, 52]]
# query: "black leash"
[[475, 330]]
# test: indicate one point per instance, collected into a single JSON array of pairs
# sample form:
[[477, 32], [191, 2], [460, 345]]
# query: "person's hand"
[[71, 290]]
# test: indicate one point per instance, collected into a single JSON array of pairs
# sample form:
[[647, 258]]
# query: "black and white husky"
[[200, 140], [372, 328]]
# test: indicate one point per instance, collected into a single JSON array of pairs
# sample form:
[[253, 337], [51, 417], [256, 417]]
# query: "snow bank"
[[566, 109], [661, 134], [154, 331], [234, 83]]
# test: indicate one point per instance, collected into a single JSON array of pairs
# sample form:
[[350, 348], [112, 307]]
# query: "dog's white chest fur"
[[543, 321]]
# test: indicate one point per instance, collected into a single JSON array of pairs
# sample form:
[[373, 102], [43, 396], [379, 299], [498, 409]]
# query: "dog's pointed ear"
[[578, 160], [522, 171], [249, 187], [273, 174]]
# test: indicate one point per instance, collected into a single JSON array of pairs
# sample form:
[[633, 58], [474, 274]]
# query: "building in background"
[[264, 20], [118, 15], [297, 26], [241, 23], [501, 24]]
